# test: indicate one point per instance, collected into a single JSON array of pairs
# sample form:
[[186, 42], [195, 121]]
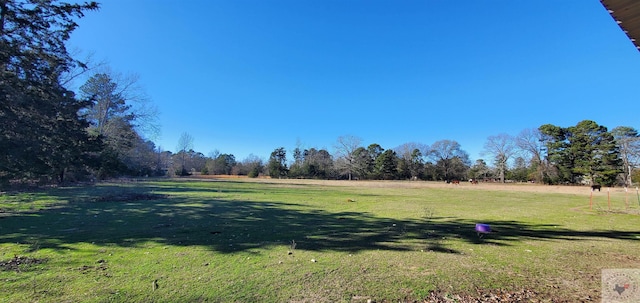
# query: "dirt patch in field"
[[525, 295], [102, 266], [19, 263], [491, 296]]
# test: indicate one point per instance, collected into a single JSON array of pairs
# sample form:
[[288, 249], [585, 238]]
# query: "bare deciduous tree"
[[502, 147], [185, 143], [413, 155], [449, 158], [530, 141], [628, 142], [406, 150], [345, 147]]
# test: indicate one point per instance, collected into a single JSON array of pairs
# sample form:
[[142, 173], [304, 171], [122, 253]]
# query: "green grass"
[[231, 241]]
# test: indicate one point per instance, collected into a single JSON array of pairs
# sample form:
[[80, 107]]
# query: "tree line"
[[586, 153], [51, 133]]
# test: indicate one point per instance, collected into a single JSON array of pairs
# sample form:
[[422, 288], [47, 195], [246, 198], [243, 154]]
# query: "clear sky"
[[248, 76]]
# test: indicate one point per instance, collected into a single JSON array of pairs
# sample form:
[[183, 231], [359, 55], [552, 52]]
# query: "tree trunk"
[[61, 176]]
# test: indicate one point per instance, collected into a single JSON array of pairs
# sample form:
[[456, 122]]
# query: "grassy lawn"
[[310, 241]]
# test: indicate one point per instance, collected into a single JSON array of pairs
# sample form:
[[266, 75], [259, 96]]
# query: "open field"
[[262, 240]]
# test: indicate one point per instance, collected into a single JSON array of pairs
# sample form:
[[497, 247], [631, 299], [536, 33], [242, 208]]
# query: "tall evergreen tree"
[[363, 163], [584, 150], [554, 139], [387, 165], [109, 109], [416, 164], [42, 134], [594, 148], [277, 165]]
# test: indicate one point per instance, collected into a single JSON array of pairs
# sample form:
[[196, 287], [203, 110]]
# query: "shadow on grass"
[[102, 216]]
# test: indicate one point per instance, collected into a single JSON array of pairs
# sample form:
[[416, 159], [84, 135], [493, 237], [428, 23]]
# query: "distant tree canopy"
[[222, 164], [581, 154], [312, 164]]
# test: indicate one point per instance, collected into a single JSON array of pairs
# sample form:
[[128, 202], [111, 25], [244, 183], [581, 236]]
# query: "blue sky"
[[248, 76]]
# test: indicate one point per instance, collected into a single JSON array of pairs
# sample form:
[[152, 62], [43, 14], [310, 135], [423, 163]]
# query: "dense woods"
[[51, 134]]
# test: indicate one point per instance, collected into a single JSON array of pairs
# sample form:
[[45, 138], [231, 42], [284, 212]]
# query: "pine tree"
[[42, 135]]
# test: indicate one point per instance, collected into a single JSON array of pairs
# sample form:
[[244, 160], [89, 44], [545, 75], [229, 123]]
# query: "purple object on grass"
[[483, 228]]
